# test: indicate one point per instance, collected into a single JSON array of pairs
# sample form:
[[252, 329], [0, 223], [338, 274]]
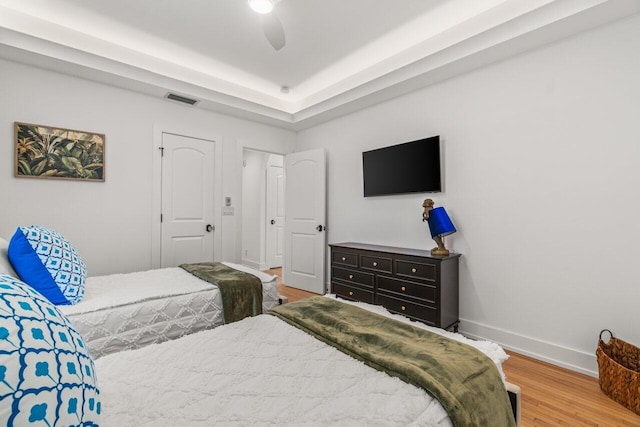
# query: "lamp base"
[[439, 252]]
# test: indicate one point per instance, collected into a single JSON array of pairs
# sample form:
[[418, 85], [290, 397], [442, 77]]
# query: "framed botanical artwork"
[[49, 152]]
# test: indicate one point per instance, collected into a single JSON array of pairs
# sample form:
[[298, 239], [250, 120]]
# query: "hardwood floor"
[[551, 396], [293, 294], [554, 396]]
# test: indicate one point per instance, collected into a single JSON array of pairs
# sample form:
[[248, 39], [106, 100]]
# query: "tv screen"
[[412, 167]]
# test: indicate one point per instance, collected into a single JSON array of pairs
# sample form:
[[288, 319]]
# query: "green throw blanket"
[[464, 380], [241, 292]]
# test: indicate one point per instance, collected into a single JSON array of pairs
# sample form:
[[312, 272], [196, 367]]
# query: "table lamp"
[[440, 225]]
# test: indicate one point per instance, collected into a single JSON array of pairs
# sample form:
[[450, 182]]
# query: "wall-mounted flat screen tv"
[[412, 167]]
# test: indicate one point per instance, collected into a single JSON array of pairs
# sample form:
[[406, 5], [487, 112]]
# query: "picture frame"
[[48, 152]]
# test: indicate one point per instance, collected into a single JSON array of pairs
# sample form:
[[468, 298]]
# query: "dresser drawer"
[[423, 313], [352, 293], [352, 276], [345, 258], [406, 288], [417, 270], [378, 264]]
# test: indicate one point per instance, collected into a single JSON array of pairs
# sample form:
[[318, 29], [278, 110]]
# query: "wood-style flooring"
[[551, 396]]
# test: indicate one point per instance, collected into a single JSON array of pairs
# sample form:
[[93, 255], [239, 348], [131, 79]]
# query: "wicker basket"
[[619, 371]]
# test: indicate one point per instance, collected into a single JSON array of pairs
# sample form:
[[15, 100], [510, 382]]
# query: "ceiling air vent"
[[183, 99]]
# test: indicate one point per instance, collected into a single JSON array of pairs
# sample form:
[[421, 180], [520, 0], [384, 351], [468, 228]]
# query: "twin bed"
[[126, 311], [300, 366], [226, 376], [163, 358]]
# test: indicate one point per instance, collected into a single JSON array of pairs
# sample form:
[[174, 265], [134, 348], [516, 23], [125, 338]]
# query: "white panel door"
[[187, 200], [305, 199], [275, 216]]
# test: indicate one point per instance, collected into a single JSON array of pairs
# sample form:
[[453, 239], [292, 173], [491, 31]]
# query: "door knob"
[[209, 228], [319, 228], [273, 221]]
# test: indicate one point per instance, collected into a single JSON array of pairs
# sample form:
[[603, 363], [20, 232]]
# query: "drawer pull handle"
[[375, 264], [413, 270], [403, 289], [350, 293], [344, 258], [350, 276], [403, 308]]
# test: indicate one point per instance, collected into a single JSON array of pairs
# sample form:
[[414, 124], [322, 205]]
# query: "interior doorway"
[[263, 209]]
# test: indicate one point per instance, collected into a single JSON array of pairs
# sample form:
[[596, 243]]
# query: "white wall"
[[541, 157], [110, 223]]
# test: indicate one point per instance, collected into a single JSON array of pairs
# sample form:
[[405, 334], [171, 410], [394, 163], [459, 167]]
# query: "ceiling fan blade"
[[273, 30]]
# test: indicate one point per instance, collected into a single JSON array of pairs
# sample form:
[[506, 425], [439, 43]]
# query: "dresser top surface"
[[391, 249]]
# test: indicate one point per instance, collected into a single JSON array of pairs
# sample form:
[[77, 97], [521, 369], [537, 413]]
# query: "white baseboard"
[[250, 263], [564, 357], [254, 264]]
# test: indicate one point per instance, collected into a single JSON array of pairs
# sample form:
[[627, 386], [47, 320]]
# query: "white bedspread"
[[225, 377], [127, 311], [131, 310], [114, 290]]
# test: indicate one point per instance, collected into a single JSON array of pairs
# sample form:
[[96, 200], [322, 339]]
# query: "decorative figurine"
[[440, 225]]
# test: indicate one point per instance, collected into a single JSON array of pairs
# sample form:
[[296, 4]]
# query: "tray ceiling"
[[340, 55]]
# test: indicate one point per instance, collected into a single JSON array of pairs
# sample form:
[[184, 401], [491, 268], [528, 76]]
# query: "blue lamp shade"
[[439, 223]]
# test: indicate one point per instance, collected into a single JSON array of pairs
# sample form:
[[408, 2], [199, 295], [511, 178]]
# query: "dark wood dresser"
[[410, 282]]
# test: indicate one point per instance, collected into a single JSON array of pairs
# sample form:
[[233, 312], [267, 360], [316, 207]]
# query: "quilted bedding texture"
[[131, 310], [225, 376], [113, 290]]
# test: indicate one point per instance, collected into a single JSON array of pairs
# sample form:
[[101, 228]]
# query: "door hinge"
[[161, 151], [160, 217]]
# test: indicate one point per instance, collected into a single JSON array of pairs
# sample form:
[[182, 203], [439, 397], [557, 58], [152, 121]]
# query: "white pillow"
[[5, 265]]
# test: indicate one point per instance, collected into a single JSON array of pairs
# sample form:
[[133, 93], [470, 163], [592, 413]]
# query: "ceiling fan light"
[[261, 6]]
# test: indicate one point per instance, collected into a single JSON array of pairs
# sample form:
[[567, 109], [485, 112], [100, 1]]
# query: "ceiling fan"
[[271, 25]]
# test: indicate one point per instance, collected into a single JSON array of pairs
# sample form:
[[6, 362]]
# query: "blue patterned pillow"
[[47, 377], [45, 260]]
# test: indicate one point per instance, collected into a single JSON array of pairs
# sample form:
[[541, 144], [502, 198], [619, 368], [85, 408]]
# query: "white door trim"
[[239, 150], [156, 208], [274, 196]]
